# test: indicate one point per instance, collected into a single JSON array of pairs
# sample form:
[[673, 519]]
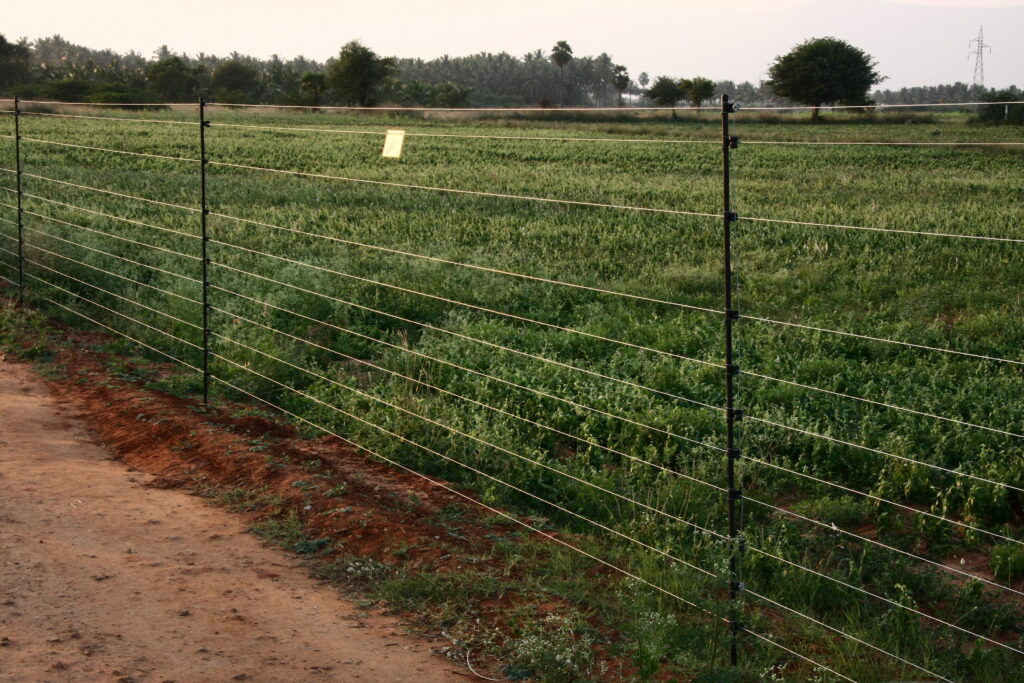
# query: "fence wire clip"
[[732, 216], [732, 314], [736, 414], [737, 586], [731, 108], [732, 370], [734, 454], [735, 494], [731, 142]]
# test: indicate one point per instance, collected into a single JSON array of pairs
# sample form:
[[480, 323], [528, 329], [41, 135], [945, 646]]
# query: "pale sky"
[[916, 42]]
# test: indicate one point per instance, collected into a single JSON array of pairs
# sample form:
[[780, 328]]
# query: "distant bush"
[[1012, 114]]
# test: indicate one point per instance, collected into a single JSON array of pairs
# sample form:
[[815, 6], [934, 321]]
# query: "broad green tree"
[[358, 74], [824, 71], [665, 92], [700, 90]]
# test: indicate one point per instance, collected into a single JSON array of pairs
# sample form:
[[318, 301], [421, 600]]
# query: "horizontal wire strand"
[[878, 596], [475, 307], [114, 194], [101, 232], [475, 193], [117, 296], [880, 499], [470, 468], [882, 404], [117, 313], [530, 138], [110, 118], [876, 451], [466, 497], [118, 332], [481, 404], [471, 266], [543, 110], [898, 231], [111, 104], [130, 221], [667, 141], [11, 253], [846, 635], [477, 373], [822, 667], [883, 143], [107, 272], [505, 515], [7, 279], [108, 150], [801, 107], [540, 110], [484, 342], [106, 253], [883, 340], [461, 433], [832, 527]]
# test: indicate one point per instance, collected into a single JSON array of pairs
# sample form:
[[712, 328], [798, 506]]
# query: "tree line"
[[817, 72]]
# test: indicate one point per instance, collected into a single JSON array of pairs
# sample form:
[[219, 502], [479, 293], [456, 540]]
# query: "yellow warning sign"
[[393, 144]]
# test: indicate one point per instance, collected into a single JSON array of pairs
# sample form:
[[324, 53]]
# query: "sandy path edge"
[[102, 578]]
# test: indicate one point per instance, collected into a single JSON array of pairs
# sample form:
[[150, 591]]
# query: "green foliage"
[[358, 75], [171, 80], [620, 80], [958, 294], [824, 71], [699, 90], [314, 84], [561, 54], [235, 81], [1011, 114], [665, 92], [555, 650], [450, 94], [15, 64], [1007, 562]]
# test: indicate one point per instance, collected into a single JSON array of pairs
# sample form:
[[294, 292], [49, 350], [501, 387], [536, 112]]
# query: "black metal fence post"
[[733, 415], [21, 229], [204, 215]]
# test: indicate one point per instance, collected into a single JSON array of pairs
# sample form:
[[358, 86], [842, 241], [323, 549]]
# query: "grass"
[[943, 292]]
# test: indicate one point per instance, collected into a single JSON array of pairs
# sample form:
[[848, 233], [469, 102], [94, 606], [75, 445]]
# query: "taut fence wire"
[[225, 285]]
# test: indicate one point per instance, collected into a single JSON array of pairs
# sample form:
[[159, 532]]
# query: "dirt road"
[[102, 578]]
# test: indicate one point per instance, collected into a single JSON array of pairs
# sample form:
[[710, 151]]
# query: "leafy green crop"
[[358, 333]]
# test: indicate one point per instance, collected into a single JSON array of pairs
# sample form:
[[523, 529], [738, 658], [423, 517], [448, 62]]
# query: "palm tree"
[[561, 55], [620, 80]]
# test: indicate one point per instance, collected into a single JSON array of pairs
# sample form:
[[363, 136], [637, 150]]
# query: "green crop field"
[[601, 410]]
